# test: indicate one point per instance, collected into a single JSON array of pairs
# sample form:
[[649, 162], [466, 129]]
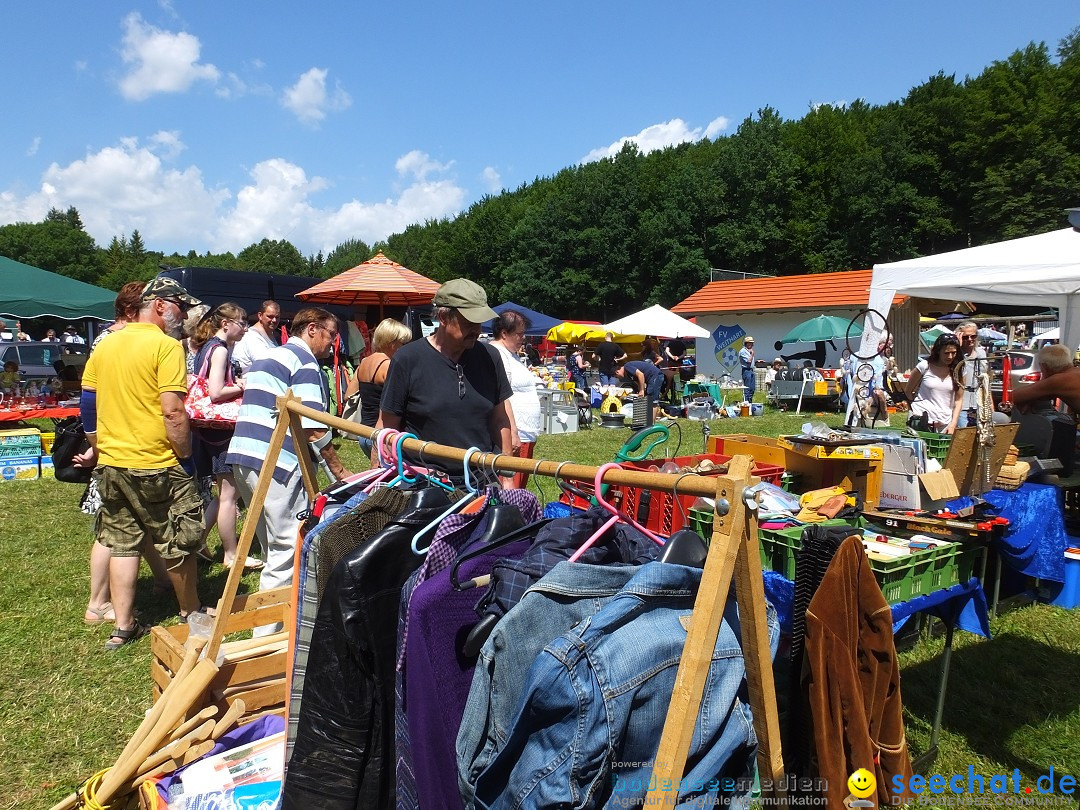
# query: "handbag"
[[69, 442], [202, 411]]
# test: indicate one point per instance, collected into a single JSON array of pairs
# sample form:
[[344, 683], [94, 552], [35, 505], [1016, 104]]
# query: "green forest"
[[957, 162]]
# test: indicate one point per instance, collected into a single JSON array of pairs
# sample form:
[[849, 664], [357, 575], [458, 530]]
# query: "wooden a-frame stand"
[[733, 552]]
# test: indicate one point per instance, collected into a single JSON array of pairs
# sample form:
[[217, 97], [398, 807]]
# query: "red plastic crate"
[[664, 516]]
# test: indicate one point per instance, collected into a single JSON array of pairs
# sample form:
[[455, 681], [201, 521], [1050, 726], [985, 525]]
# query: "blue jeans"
[[653, 387], [608, 379], [749, 383]]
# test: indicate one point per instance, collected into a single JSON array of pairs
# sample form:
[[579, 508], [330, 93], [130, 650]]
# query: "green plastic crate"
[[937, 444], [778, 546], [900, 579]]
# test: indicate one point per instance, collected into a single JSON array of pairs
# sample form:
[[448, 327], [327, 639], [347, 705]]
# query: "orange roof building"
[[768, 308], [814, 292]]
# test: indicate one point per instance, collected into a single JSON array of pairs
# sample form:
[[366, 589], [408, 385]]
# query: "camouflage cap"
[[162, 287]]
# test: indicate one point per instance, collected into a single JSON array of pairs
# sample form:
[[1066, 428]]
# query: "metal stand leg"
[[946, 660]]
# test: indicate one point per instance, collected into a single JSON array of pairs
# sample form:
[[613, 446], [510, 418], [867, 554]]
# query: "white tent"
[[1040, 271], [657, 321]]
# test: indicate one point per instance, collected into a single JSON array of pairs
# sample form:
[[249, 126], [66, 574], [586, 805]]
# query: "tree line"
[[955, 163]]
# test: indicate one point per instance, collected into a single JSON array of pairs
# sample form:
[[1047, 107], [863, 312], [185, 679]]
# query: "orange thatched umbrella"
[[377, 281]]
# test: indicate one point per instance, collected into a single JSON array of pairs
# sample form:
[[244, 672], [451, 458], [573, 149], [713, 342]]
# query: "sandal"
[[101, 615], [136, 632], [209, 611]]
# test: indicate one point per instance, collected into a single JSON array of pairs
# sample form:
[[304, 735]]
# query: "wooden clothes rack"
[[733, 553]]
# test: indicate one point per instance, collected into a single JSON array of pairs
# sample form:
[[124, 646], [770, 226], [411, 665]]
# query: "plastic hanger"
[[685, 546], [454, 507], [616, 515], [476, 550]]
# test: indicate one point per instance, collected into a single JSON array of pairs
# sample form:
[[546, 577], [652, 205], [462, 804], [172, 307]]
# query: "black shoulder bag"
[[70, 441]]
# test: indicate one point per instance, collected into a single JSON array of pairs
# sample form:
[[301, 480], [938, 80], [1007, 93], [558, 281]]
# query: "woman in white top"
[[933, 391], [509, 331]]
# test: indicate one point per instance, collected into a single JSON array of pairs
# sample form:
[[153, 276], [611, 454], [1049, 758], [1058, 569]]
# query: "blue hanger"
[[457, 505]]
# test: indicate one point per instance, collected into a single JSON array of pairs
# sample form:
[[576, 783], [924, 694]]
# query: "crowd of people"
[[69, 335], [160, 485]]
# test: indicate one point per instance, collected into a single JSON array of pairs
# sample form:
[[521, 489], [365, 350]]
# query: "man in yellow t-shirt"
[[134, 386]]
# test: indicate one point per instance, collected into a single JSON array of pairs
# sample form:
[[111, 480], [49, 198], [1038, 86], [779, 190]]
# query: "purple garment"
[[438, 677], [456, 531]]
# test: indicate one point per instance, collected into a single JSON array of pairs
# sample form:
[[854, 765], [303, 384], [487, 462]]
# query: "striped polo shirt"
[[289, 366]]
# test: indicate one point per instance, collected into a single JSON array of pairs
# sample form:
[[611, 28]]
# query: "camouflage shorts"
[[161, 506]]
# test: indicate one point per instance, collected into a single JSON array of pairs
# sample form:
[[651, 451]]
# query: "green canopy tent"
[[30, 292]]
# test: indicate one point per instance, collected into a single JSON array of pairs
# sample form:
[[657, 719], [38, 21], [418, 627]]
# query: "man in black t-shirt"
[[448, 388], [608, 354], [674, 351]]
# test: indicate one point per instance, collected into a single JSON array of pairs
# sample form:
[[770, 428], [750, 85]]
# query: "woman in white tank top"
[[932, 390]]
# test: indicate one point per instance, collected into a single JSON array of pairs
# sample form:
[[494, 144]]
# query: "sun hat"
[[747, 339], [467, 297]]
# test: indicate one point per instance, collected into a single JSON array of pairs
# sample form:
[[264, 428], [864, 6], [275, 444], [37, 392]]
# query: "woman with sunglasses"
[[216, 335], [935, 395]]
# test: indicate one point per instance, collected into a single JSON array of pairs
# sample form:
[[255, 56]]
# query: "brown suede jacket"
[[853, 677]]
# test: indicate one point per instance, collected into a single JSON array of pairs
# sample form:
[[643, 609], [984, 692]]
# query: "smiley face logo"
[[862, 784]]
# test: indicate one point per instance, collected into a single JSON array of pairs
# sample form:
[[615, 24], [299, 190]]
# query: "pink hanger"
[[616, 515]]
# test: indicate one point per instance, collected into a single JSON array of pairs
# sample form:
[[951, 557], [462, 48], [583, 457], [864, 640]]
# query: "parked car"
[[39, 360], [1025, 369]]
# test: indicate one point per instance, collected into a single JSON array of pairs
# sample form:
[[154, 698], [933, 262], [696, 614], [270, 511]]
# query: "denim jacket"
[[569, 593], [589, 720]]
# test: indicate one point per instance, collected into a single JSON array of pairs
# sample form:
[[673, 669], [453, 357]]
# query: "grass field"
[[67, 707]]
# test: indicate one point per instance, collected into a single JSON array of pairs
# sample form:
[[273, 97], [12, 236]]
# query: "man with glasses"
[[972, 356], [141, 442], [448, 388], [260, 338], [294, 365]]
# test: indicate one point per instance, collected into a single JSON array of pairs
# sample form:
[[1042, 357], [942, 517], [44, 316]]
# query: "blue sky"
[[210, 126]]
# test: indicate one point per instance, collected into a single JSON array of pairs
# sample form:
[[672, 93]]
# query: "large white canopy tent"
[[659, 321], [1037, 271]]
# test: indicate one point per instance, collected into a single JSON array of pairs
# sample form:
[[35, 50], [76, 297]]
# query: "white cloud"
[[419, 165], [492, 179], [658, 136], [167, 144], [309, 99], [34, 146], [124, 187], [839, 105], [133, 185], [160, 61]]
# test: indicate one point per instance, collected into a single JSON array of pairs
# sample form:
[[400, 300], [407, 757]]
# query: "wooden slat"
[[243, 546], [727, 540], [750, 594]]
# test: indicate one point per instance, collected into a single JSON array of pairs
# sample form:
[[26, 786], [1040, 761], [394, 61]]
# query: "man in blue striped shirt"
[[294, 365]]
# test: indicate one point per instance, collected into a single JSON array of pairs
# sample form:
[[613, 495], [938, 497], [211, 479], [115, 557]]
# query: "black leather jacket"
[[343, 757]]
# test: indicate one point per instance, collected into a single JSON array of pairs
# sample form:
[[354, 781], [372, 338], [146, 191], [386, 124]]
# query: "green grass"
[[67, 707]]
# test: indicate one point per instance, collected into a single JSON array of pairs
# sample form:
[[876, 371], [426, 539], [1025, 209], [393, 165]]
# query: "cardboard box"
[[20, 469], [47, 469], [855, 468], [904, 486]]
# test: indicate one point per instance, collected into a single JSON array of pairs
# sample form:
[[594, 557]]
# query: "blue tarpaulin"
[[539, 323]]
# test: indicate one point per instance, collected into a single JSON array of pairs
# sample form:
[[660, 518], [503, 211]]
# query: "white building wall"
[[718, 354]]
